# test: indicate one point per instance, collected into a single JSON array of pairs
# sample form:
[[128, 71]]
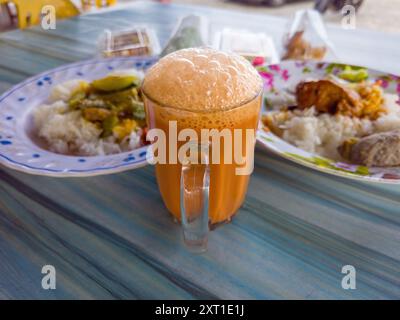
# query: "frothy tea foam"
[[202, 79]]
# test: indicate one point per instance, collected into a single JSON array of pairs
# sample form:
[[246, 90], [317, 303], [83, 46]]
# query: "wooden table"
[[111, 237]]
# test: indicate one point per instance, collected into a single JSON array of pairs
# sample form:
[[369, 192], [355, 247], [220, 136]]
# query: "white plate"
[[17, 147], [286, 75]]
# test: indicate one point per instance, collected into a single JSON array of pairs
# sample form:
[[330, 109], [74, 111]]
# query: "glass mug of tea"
[[204, 105]]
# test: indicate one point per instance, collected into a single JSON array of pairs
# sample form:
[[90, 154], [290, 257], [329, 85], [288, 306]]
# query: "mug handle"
[[194, 197]]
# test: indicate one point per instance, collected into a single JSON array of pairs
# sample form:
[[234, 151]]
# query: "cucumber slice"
[[115, 82]]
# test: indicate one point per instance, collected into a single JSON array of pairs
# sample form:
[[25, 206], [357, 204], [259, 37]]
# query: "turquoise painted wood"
[[111, 237]]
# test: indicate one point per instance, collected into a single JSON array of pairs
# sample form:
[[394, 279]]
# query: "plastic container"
[[137, 41], [252, 46], [190, 31], [307, 39]]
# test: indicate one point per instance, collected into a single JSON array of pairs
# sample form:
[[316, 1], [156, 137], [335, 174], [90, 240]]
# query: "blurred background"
[[383, 15], [380, 15]]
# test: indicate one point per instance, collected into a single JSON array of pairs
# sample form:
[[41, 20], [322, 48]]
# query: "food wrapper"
[[258, 48], [191, 31], [135, 41], [307, 38]]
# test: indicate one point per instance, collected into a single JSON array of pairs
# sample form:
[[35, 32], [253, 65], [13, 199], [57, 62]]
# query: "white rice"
[[68, 133], [64, 90], [323, 134]]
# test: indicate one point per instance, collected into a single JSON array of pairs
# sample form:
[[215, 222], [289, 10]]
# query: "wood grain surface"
[[111, 237]]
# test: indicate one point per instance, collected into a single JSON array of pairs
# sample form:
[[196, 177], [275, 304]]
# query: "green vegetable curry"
[[112, 103]]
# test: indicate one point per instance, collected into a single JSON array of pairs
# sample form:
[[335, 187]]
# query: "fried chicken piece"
[[328, 96], [379, 149]]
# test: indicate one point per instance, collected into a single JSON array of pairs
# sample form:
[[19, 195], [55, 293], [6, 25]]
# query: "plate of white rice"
[[40, 135], [311, 138]]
